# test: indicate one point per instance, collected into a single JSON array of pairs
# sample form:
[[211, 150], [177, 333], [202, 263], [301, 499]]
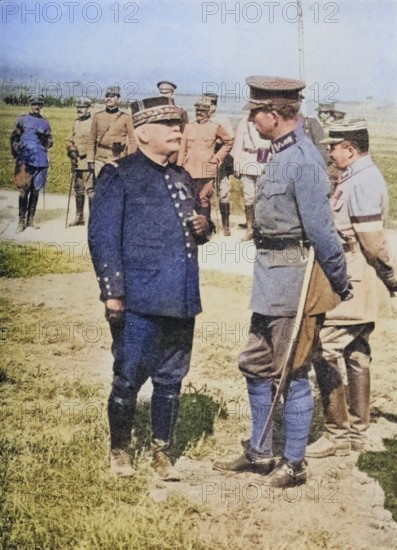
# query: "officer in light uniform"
[[359, 205], [77, 152], [226, 168], [197, 153], [250, 153], [167, 89], [30, 141], [145, 225], [291, 212], [112, 133]]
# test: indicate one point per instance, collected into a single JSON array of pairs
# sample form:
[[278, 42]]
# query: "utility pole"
[[301, 49]]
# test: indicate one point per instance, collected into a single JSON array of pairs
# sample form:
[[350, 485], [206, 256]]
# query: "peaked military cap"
[[166, 82], [83, 102], [203, 103], [342, 130], [273, 91], [113, 90], [36, 98], [325, 107], [154, 109], [213, 98]]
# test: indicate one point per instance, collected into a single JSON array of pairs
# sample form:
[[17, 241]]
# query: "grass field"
[[383, 150]]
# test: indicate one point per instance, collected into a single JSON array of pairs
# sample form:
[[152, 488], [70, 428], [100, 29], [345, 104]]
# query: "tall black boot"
[[79, 220], [164, 412], [23, 206], [249, 216], [33, 199], [121, 414], [225, 214]]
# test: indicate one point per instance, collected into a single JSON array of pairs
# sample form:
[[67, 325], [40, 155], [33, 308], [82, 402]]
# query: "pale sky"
[[350, 46]]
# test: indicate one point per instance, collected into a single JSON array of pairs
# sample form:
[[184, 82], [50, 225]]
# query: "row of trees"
[[51, 101]]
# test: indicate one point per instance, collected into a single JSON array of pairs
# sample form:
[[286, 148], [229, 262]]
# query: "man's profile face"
[[164, 138], [112, 100], [263, 122], [340, 154]]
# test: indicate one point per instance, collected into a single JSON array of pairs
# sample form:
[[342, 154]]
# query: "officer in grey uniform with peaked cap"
[[292, 213], [359, 204], [145, 225], [77, 152]]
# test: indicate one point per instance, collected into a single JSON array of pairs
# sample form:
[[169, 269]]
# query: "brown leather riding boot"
[[336, 439], [359, 400], [249, 215]]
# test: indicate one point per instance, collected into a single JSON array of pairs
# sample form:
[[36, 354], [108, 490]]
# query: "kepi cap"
[[166, 82], [273, 91], [113, 90], [203, 103], [36, 98], [83, 102], [354, 129], [154, 109], [325, 107], [213, 98]]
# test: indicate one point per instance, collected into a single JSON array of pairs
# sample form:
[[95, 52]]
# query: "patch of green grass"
[[56, 489], [383, 467], [29, 260]]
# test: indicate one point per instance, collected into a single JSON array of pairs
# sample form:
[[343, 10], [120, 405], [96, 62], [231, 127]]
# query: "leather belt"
[[252, 151], [105, 147], [277, 243], [82, 157], [350, 246]]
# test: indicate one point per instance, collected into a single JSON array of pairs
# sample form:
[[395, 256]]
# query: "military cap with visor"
[[346, 130], [325, 107], [83, 102], [112, 90], [273, 91], [154, 109], [203, 103], [169, 83], [36, 98]]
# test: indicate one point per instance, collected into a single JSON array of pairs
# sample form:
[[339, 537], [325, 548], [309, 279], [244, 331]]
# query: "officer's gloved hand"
[[347, 294], [91, 167]]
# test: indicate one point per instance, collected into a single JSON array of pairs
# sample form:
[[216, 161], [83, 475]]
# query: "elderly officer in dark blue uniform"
[[30, 141], [291, 213], [143, 234]]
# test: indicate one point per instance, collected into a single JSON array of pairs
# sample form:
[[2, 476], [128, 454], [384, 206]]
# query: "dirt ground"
[[340, 507]]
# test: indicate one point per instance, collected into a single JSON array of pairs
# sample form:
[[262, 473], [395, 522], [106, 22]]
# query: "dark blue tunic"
[[141, 244]]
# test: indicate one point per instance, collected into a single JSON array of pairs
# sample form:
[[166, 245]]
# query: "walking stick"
[[293, 344], [70, 194]]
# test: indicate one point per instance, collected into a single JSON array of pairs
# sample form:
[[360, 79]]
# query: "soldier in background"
[[197, 153], [77, 152], [327, 114], [112, 133], [226, 169], [359, 205], [250, 153], [167, 89], [30, 141]]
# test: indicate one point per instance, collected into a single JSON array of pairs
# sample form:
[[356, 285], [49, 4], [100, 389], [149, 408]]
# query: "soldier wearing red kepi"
[[293, 219], [359, 205]]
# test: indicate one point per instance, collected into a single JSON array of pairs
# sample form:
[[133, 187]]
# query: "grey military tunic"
[[292, 203]]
